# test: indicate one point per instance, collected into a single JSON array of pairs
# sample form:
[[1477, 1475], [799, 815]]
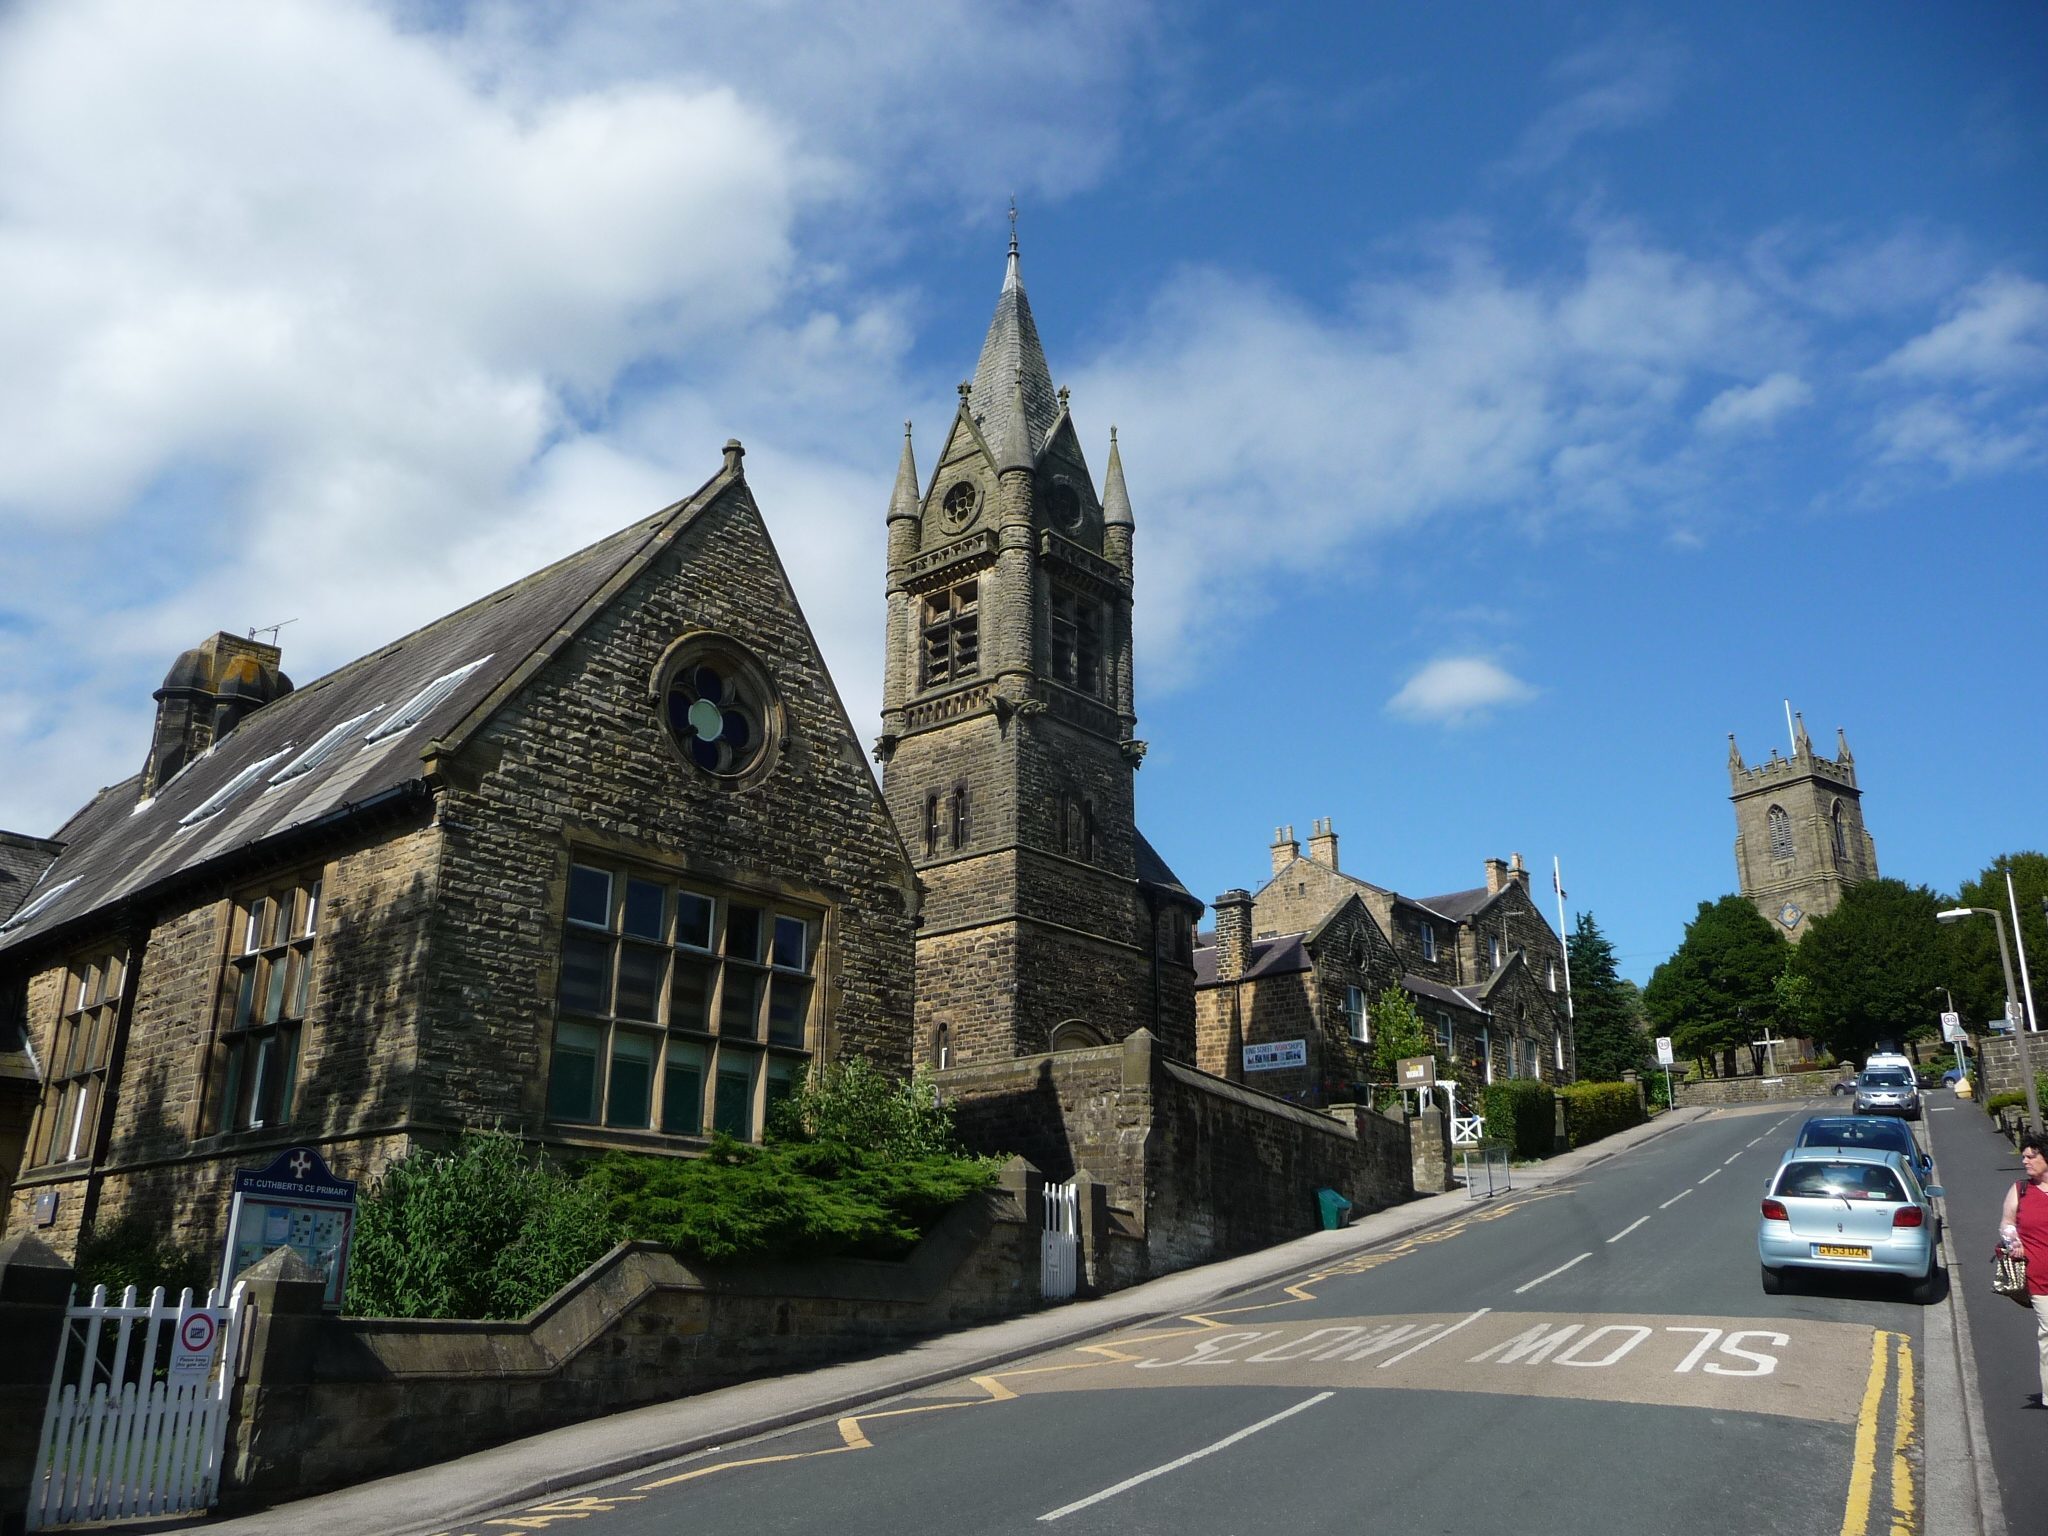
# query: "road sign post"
[[1665, 1057]]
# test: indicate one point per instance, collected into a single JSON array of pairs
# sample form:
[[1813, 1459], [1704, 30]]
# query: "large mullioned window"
[[681, 1008], [75, 1077], [269, 984]]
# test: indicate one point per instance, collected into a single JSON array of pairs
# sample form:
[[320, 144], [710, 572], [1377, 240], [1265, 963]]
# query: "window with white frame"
[[1444, 1037], [1355, 1015], [1550, 974], [75, 1077], [1533, 1054], [683, 1008], [1486, 1051], [1426, 932], [266, 991], [1493, 952]]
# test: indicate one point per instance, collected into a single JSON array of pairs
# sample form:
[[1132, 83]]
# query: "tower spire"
[[1116, 500], [1012, 384], [903, 501]]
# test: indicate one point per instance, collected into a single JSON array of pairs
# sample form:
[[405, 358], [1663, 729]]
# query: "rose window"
[[719, 709]]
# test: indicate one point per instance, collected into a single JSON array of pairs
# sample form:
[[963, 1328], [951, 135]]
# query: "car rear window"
[[1855, 1133], [1841, 1181]]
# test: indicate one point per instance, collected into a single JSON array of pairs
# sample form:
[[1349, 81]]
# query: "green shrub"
[[1594, 1110], [859, 1106], [2017, 1098], [785, 1200], [483, 1231], [1522, 1113], [132, 1252]]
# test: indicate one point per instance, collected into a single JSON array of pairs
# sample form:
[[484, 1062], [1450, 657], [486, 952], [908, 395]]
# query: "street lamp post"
[[2019, 1034]]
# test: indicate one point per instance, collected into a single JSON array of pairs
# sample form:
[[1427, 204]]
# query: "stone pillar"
[[35, 1286], [1429, 1151], [1092, 1195], [270, 1428]]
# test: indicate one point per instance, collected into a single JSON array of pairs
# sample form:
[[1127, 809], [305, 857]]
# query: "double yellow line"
[[1891, 1364]]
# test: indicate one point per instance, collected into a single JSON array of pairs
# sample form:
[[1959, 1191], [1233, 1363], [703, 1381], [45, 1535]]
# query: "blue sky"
[[1514, 400]]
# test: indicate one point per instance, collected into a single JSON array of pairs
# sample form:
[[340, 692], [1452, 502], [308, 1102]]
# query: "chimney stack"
[[1322, 843], [1496, 876], [1233, 934], [1518, 871], [1285, 849], [209, 690]]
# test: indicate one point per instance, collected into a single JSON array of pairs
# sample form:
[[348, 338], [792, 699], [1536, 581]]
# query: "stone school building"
[[597, 857]]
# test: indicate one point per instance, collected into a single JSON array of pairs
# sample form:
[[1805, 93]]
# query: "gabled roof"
[[22, 862], [1013, 397], [1270, 957], [1457, 905], [1152, 871], [1457, 997], [118, 846]]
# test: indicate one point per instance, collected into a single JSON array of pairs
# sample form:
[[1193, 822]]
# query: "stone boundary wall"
[[1999, 1058], [1193, 1168], [329, 1402], [1755, 1090]]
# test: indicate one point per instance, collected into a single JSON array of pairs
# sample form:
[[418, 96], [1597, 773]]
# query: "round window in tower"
[[1064, 503], [962, 497], [720, 708]]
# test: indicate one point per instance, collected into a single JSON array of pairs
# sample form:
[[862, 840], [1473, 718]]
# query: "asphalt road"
[[1597, 1355]]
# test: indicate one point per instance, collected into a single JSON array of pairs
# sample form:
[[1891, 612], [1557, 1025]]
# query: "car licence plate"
[[1839, 1251]]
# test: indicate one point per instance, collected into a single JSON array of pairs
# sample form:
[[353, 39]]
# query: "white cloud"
[[1625, 80], [1997, 333], [1959, 440], [1753, 407], [1454, 689]]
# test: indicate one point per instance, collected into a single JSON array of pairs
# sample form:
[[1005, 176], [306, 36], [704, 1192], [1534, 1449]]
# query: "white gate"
[[137, 1415], [1059, 1257]]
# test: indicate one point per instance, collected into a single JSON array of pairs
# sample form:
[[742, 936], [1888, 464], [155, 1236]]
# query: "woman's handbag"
[[2009, 1276]]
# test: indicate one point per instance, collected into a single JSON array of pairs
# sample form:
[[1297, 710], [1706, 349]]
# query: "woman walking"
[[2023, 1227]]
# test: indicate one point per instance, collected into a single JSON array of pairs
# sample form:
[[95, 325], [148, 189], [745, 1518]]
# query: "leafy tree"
[[1974, 974], [857, 1105], [1718, 989], [1398, 1032], [1606, 1021], [1873, 967]]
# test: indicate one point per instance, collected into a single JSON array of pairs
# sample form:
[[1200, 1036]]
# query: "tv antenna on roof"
[[270, 629]]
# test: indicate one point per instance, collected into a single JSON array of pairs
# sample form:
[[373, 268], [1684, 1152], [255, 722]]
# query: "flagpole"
[[1570, 1014], [2026, 976]]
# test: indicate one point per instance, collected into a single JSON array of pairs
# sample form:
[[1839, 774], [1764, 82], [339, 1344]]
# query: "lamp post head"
[[1957, 914]]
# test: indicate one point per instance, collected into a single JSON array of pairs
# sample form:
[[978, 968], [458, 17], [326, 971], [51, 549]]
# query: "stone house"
[[1483, 966], [597, 858]]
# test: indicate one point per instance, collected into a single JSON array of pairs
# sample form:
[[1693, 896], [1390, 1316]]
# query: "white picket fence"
[[1059, 1256], [126, 1433]]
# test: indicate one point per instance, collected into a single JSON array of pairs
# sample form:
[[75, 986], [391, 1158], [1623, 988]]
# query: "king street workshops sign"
[[295, 1203], [1275, 1054]]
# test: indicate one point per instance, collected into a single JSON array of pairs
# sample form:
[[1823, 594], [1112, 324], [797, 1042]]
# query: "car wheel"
[[1924, 1291], [1774, 1281]]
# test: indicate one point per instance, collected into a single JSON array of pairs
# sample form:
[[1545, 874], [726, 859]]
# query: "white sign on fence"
[[1275, 1054], [1664, 1056], [193, 1346]]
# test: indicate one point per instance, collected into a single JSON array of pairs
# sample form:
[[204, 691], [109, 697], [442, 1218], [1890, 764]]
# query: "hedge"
[[1522, 1113], [1594, 1110]]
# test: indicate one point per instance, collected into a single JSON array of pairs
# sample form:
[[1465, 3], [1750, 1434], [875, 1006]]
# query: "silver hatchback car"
[[1854, 1209]]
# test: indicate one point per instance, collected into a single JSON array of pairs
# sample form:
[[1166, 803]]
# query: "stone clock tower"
[[1800, 840], [1008, 750]]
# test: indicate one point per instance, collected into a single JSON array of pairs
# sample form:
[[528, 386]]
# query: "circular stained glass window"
[[961, 500], [1064, 502], [720, 708]]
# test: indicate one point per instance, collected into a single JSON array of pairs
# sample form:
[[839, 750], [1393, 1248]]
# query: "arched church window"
[[931, 824], [1840, 832], [962, 827], [942, 1047], [1781, 832]]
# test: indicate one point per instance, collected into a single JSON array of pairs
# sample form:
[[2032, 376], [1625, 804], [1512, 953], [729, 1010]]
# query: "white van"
[[1887, 1059]]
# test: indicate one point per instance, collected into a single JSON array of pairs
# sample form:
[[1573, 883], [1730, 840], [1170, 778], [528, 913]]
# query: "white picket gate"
[[1059, 1257], [126, 1434]]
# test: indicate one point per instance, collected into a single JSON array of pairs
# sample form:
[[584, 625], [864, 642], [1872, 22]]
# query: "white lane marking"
[[1753, 1143], [1192, 1456], [1939, 1109], [1624, 1232], [1727, 1160], [1674, 1200], [1425, 1343], [1552, 1275], [1714, 1175]]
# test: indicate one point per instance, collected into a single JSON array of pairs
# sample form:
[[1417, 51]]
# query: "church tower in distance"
[[1800, 840], [1008, 750]]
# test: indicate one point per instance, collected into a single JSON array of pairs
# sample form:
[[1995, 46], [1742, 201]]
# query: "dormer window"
[[950, 636]]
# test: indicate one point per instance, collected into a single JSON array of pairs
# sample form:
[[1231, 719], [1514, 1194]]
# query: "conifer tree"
[[1605, 1015]]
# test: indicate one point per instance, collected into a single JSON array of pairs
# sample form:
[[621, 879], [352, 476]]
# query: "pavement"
[[433, 1498], [1991, 1447]]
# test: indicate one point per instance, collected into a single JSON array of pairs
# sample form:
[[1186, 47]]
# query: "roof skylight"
[[214, 803], [321, 750], [423, 703], [37, 904]]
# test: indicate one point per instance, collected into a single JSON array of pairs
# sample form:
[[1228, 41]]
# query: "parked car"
[[1886, 1059], [1864, 1131], [1927, 1077], [1849, 1210], [1887, 1091], [1953, 1076]]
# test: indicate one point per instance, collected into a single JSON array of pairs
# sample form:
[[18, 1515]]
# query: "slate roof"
[[1013, 399], [1457, 997], [1270, 957], [1457, 905], [119, 846], [22, 862], [1152, 870]]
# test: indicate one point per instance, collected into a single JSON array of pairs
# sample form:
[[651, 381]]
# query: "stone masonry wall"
[[1754, 1090]]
